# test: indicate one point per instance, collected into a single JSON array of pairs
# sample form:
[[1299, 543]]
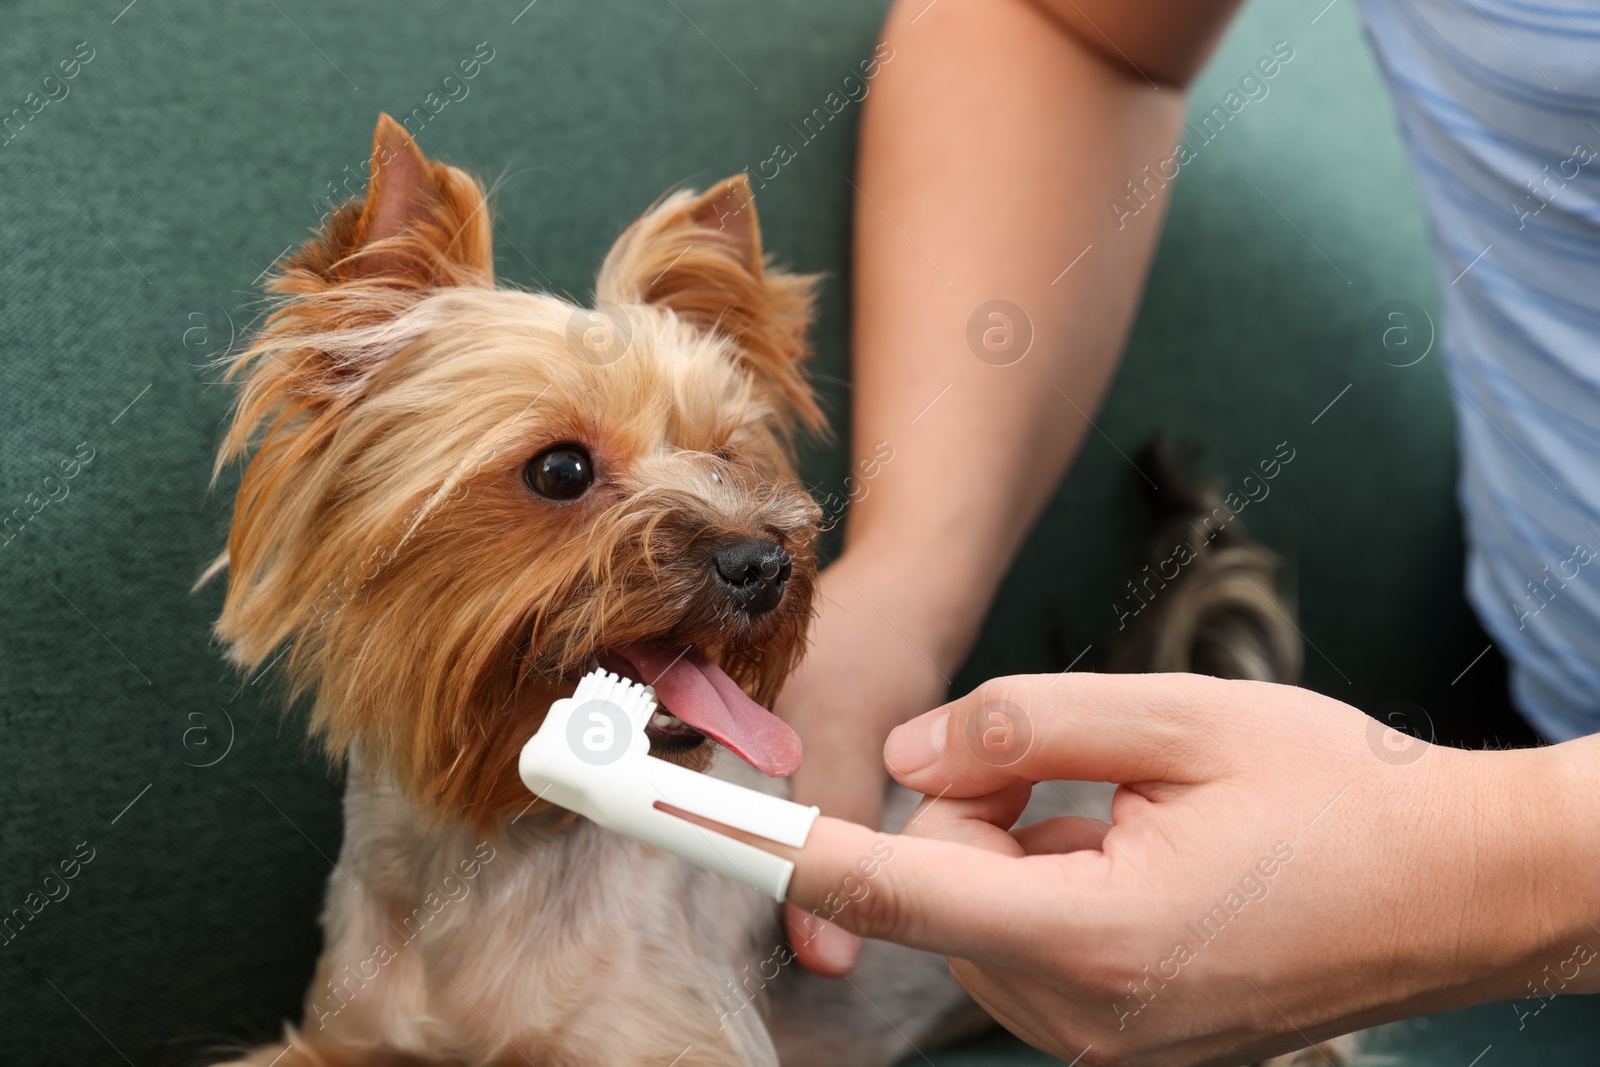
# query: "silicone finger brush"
[[591, 756]]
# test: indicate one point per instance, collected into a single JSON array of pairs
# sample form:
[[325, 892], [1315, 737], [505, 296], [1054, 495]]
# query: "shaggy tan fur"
[[431, 605]]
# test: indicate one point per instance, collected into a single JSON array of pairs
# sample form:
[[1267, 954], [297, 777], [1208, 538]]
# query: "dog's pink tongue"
[[702, 695]]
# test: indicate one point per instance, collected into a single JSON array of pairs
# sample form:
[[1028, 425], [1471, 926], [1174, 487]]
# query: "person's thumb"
[[1083, 727]]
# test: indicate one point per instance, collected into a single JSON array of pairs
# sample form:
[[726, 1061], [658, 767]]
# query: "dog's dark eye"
[[564, 472]]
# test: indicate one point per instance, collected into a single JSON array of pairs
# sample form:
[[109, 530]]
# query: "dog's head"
[[461, 497]]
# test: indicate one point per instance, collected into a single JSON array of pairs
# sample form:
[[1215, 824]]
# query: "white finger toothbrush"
[[591, 756]]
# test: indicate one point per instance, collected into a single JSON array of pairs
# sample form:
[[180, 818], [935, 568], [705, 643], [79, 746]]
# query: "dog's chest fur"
[[558, 943]]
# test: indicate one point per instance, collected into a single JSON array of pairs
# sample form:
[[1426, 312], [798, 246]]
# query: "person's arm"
[[994, 139], [1279, 869]]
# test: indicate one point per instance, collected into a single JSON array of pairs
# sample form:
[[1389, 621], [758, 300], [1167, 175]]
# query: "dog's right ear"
[[422, 225]]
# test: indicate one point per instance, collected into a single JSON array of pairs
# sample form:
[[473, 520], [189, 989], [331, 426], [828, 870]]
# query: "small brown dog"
[[460, 498]]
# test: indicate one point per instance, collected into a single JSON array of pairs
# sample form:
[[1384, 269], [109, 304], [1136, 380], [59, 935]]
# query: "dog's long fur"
[[431, 608], [382, 532]]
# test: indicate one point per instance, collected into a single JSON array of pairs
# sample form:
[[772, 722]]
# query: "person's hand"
[[1279, 867], [861, 677]]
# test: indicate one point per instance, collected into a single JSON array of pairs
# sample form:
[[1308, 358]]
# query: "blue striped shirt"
[[1499, 106]]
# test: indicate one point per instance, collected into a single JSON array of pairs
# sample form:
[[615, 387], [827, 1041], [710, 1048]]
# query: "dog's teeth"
[[662, 720]]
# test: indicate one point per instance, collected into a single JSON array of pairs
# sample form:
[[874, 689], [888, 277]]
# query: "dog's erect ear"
[[422, 225], [701, 257], [730, 208]]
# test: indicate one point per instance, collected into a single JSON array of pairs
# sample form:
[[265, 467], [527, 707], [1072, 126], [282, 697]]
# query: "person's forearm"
[[992, 146], [1486, 885], [1539, 817]]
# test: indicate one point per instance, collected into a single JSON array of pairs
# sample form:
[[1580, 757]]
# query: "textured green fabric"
[[199, 140]]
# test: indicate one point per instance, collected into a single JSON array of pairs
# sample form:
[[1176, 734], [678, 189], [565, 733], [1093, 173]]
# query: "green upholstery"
[[201, 139]]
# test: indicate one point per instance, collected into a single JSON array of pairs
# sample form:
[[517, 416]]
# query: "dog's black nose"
[[753, 572]]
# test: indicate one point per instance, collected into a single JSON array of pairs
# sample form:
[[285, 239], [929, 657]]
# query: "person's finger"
[[981, 822], [820, 946], [847, 791], [987, 822], [1020, 1005], [832, 951], [935, 895], [939, 896], [1082, 727], [1064, 833]]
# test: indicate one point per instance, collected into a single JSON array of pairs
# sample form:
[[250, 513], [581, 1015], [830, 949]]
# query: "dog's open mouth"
[[699, 700]]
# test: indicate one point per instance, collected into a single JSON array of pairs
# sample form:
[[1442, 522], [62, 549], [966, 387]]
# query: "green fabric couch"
[[144, 196]]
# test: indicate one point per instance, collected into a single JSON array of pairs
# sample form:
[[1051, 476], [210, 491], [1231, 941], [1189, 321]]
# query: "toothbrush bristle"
[[636, 700]]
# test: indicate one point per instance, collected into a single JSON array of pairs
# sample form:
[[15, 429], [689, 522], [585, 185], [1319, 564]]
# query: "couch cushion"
[[197, 142]]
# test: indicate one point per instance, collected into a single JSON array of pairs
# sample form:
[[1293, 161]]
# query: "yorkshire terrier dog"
[[458, 499]]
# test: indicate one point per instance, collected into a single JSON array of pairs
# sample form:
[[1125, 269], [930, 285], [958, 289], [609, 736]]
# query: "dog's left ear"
[[422, 225], [700, 256]]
